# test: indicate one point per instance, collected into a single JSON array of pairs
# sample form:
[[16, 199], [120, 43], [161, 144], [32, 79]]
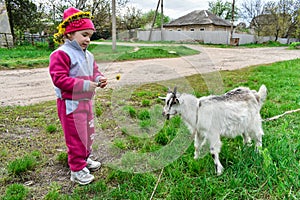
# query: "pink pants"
[[78, 129]]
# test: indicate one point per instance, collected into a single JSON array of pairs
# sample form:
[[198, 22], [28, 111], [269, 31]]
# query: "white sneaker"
[[82, 177], [93, 165]]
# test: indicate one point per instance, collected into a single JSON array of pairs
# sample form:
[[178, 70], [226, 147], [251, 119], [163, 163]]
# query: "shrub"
[[295, 45]]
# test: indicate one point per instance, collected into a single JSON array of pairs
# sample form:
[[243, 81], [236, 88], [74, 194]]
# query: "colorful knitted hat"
[[73, 20]]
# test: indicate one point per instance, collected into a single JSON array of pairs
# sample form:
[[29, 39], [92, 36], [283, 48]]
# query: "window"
[[192, 29], [179, 29], [202, 29]]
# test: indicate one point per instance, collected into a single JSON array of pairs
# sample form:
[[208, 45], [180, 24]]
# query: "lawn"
[[27, 57], [146, 155]]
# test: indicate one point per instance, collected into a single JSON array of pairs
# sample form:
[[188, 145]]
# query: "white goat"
[[234, 113]]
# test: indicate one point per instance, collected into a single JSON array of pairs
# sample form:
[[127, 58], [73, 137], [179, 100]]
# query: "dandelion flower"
[[118, 77]]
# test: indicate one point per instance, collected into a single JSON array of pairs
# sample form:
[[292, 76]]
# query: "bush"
[[295, 45]]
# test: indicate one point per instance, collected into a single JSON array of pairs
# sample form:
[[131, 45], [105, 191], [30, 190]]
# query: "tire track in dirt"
[[24, 87]]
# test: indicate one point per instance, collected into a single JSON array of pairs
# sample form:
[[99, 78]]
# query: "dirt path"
[[24, 87]]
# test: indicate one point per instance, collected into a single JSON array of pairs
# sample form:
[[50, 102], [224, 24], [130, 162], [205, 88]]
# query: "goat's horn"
[[175, 90]]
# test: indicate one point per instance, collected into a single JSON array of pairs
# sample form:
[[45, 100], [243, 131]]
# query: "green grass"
[[15, 191], [24, 57], [124, 53], [252, 45], [139, 135]]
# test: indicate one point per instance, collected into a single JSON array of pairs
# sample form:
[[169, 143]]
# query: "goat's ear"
[[162, 98], [169, 90], [175, 90]]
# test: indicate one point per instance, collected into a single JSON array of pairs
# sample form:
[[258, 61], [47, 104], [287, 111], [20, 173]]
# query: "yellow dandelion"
[[118, 77]]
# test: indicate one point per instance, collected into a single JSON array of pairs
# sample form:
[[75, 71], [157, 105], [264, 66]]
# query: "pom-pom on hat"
[[73, 20]]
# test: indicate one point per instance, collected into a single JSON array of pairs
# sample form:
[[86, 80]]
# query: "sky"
[[172, 8]]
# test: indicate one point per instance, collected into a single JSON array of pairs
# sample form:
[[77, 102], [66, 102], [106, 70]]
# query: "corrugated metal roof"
[[199, 17]]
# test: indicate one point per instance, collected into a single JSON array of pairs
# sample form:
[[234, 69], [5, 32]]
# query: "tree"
[[278, 19], [223, 9], [22, 15], [147, 19], [250, 11], [132, 18]]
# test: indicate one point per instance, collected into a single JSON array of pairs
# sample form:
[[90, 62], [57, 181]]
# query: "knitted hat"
[[73, 20]]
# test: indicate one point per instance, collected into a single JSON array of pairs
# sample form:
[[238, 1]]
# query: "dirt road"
[[24, 87]]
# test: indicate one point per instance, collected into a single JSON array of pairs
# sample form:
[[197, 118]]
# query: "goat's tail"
[[262, 93]]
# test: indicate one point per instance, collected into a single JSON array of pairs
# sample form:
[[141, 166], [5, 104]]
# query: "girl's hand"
[[102, 82], [93, 86]]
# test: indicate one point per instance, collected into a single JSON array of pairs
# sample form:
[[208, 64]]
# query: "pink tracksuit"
[[71, 69]]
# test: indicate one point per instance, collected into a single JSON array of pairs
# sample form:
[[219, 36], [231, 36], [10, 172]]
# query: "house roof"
[[199, 17]]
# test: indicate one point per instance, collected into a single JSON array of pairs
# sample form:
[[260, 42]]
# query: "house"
[[199, 20]]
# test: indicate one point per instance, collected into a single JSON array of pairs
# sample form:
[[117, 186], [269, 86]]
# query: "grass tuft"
[[21, 165], [15, 192]]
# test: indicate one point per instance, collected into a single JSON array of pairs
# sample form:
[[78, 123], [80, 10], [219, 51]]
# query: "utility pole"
[[114, 29], [162, 20], [154, 19], [232, 20]]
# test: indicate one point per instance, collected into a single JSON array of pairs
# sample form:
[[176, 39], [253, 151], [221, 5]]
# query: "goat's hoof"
[[196, 156], [220, 171]]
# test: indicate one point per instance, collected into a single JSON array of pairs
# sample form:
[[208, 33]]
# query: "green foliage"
[[147, 53], [23, 13], [271, 174], [98, 110], [28, 56], [149, 16], [146, 102], [25, 56], [51, 128], [144, 115], [15, 192], [131, 111], [54, 191], [20, 165], [223, 9], [295, 45], [104, 52], [63, 158]]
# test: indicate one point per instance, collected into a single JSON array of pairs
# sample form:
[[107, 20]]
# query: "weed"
[[54, 191], [63, 158], [15, 191], [143, 114], [20, 165], [98, 110], [51, 128], [145, 102], [132, 112]]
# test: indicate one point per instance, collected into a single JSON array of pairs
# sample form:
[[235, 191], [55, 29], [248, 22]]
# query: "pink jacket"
[[71, 69]]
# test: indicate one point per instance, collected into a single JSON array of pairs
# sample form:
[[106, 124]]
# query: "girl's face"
[[83, 37]]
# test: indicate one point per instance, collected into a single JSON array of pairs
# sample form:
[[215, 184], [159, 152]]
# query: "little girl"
[[75, 76]]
